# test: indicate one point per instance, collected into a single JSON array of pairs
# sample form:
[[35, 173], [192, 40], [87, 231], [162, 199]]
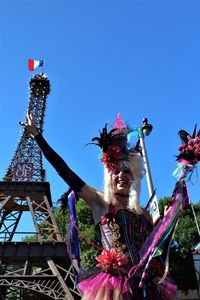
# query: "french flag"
[[33, 64]]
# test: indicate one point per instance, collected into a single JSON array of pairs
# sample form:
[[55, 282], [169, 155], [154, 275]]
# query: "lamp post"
[[152, 205], [146, 129]]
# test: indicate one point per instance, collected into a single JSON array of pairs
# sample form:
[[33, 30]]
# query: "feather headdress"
[[115, 144]]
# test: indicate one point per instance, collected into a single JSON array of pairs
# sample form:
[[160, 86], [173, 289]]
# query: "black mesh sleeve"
[[73, 180]]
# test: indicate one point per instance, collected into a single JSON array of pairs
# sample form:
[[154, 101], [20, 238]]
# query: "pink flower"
[[110, 261]]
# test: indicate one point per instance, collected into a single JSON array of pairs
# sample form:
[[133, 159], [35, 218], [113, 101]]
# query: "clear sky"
[[136, 57]]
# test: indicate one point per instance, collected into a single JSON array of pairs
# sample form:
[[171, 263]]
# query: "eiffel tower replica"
[[40, 269]]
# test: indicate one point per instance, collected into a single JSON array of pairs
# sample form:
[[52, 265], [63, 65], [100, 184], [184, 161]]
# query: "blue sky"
[[139, 58]]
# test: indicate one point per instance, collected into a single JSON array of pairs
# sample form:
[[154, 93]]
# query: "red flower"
[[111, 261]]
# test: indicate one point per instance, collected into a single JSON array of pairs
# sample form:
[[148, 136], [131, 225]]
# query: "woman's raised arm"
[[86, 192]]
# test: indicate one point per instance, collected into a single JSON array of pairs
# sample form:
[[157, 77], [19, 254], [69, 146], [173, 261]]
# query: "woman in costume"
[[124, 270]]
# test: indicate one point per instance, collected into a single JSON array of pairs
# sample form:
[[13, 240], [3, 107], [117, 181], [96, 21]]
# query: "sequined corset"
[[125, 231]]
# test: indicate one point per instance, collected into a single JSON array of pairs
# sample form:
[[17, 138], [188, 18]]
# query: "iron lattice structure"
[[36, 271], [40, 269], [26, 164]]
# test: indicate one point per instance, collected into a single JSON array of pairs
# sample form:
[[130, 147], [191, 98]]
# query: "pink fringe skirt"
[[104, 286]]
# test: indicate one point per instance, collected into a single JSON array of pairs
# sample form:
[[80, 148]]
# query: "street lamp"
[[152, 205], [146, 129]]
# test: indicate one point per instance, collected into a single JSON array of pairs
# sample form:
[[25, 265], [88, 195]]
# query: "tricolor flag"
[[33, 64]]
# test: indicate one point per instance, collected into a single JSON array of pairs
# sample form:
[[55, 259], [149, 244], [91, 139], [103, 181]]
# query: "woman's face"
[[122, 180]]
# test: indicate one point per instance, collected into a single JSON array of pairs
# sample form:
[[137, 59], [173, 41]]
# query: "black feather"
[[183, 135], [106, 138], [194, 132], [63, 200]]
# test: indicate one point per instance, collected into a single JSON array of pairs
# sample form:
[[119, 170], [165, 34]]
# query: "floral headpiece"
[[189, 155], [116, 144], [190, 148]]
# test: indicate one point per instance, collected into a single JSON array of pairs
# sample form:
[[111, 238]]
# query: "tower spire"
[[26, 164]]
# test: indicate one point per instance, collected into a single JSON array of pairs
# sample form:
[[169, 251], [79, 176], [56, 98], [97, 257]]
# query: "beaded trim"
[[115, 229]]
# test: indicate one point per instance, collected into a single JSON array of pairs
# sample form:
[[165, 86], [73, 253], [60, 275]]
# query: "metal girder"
[[39, 267], [34, 197], [8, 224], [47, 287]]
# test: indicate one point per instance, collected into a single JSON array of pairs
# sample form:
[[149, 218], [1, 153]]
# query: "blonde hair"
[[135, 165]]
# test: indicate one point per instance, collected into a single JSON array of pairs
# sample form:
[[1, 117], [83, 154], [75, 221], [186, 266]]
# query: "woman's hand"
[[30, 125], [166, 209]]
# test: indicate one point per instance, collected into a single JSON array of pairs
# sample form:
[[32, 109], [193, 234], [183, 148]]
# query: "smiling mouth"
[[122, 182]]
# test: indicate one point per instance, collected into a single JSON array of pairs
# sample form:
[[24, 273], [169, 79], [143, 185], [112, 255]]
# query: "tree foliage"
[[186, 234], [86, 226], [186, 237]]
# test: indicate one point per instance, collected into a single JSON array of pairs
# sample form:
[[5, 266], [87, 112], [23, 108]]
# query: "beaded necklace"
[[122, 199]]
